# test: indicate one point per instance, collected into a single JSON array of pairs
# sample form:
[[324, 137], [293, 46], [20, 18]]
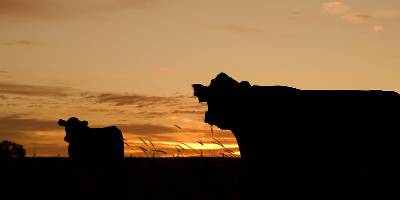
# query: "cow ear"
[[62, 122], [245, 84], [85, 123]]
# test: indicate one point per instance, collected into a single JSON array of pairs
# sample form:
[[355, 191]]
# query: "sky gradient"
[[131, 63]]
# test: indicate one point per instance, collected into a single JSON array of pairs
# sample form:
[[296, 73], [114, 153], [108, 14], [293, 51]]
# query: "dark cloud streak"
[[146, 129], [33, 90], [151, 114], [16, 126], [133, 99], [56, 9], [190, 112], [18, 42]]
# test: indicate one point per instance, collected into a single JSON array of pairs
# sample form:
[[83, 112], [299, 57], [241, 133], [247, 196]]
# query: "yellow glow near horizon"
[[199, 146]]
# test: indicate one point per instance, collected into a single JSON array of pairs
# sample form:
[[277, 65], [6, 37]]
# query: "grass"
[[151, 150]]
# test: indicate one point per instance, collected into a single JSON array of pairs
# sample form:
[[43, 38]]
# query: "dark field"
[[135, 178], [186, 178]]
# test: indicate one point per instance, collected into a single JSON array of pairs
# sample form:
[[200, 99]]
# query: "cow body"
[[309, 140], [92, 143]]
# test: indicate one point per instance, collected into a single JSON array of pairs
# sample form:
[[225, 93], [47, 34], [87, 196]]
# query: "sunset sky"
[[131, 63]]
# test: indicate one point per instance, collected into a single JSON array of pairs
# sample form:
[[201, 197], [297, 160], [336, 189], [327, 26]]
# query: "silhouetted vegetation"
[[10, 149]]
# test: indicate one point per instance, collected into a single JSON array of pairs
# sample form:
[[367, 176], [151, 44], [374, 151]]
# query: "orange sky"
[[131, 63]]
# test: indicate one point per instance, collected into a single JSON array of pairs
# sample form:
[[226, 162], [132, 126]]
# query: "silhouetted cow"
[[92, 143], [309, 140]]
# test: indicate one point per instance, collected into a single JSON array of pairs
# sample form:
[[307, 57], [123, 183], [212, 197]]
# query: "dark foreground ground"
[[135, 178], [188, 178]]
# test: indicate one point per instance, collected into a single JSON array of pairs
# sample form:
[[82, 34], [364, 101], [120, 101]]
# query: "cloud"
[[29, 9], [156, 114], [344, 12], [238, 29], [33, 90], [15, 126], [335, 8], [377, 28], [43, 137], [146, 129], [18, 42], [189, 112], [133, 99], [55, 9], [355, 18], [151, 114]]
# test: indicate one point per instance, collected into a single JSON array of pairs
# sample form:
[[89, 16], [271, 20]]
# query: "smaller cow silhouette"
[[92, 143]]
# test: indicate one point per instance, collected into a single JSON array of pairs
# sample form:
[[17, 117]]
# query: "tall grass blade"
[[144, 142], [190, 147], [144, 151], [151, 143], [178, 127], [229, 151], [218, 142]]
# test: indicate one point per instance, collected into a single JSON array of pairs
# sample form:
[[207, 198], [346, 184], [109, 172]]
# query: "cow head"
[[72, 127], [224, 97]]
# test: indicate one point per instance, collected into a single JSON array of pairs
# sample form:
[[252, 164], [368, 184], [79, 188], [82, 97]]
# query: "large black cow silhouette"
[[309, 141], [92, 143]]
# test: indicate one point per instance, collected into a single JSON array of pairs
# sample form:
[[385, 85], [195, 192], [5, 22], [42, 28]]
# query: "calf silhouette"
[[309, 141], [92, 143]]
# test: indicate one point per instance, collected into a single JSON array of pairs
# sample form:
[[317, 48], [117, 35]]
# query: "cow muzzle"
[[201, 92]]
